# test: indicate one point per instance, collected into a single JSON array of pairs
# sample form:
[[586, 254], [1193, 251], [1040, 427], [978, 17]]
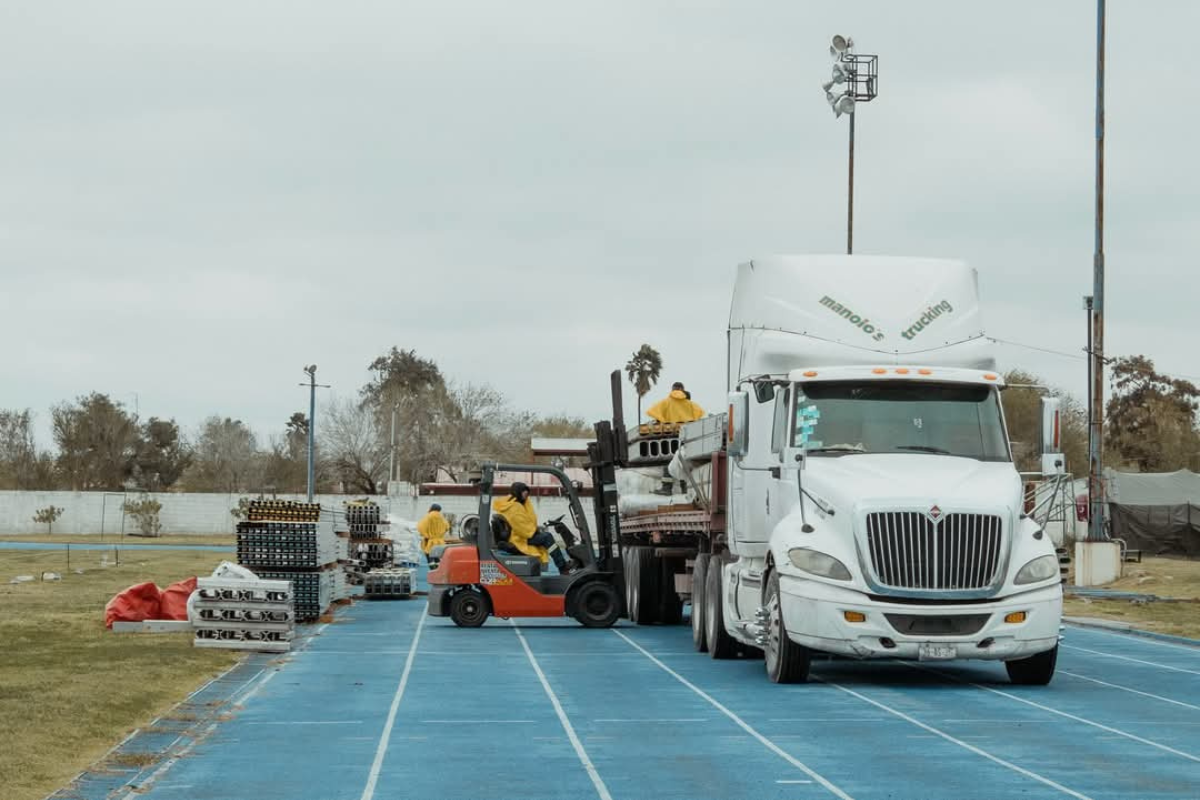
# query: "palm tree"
[[643, 371]]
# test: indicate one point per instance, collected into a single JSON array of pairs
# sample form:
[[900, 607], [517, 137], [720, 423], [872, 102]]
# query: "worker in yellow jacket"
[[433, 528], [517, 510], [676, 407]]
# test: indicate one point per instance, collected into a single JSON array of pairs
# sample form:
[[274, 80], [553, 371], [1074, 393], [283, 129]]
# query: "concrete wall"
[[96, 512]]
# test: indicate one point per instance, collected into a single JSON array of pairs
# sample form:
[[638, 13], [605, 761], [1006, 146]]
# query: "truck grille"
[[911, 551]]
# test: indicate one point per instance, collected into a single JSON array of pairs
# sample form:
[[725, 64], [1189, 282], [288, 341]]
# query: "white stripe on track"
[[1132, 691], [763, 740], [1092, 723], [977, 751], [381, 750], [597, 781], [1127, 658]]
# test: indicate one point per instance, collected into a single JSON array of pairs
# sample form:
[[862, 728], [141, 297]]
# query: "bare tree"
[[354, 446], [225, 457], [22, 465]]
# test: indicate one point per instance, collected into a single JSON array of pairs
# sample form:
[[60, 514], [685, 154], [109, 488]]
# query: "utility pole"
[[392, 455], [1096, 531], [312, 385], [850, 193], [854, 80]]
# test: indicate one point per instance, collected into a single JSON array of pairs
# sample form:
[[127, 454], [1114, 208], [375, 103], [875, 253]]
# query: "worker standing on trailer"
[[432, 527], [676, 407], [517, 510]]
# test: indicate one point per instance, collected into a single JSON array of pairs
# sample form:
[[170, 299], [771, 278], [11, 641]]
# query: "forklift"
[[480, 579]]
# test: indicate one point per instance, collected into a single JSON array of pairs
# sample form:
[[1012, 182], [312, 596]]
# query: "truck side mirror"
[[764, 392], [738, 422]]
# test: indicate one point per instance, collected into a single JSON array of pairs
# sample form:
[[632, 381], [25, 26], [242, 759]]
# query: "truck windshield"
[[842, 418]]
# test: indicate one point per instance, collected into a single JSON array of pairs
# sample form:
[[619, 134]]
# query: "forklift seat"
[[519, 564]]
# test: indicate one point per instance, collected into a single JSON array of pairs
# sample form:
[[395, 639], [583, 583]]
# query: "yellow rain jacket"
[[432, 527], [675, 408], [523, 521]]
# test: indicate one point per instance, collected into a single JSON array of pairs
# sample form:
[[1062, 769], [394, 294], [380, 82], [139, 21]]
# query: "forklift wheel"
[[596, 605], [469, 607]]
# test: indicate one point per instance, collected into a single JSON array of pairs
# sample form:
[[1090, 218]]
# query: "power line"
[[1039, 349]]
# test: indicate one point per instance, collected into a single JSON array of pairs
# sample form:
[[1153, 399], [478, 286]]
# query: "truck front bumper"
[[815, 614]]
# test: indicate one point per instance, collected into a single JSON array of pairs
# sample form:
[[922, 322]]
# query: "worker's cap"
[[435, 507], [677, 385], [518, 488]]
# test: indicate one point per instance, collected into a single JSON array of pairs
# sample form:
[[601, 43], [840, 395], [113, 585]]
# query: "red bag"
[[135, 604], [174, 600]]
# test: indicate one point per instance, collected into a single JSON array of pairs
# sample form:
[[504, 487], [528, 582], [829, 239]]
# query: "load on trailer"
[[859, 496]]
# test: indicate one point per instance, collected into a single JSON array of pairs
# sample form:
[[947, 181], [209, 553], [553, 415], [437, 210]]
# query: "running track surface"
[[386, 703]]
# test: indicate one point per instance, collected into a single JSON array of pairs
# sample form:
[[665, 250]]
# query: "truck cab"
[[874, 510]]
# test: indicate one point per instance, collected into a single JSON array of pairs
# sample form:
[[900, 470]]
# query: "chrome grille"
[[911, 551]]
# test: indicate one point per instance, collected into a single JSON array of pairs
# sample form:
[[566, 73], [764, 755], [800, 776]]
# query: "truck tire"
[[720, 644], [699, 575], [1036, 670], [670, 604], [644, 569], [787, 662]]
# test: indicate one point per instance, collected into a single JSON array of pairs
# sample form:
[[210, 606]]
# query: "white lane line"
[[764, 741], [1092, 723], [1133, 638], [473, 721], [1127, 658], [622, 721], [143, 785], [597, 781], [787, 782], [960, 742], [313, 722], [377, 765], [1132, 691]]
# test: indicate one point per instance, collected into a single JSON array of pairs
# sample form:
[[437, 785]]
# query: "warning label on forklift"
[[490, 574]]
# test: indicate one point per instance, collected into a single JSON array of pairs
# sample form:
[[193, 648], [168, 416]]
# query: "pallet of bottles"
[[312, 590], [391, 583], [236, 614]]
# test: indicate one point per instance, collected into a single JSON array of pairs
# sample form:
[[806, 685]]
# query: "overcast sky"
[[197, 199]]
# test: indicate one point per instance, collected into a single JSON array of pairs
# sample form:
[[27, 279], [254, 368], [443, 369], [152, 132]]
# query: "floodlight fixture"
[[839, 44]]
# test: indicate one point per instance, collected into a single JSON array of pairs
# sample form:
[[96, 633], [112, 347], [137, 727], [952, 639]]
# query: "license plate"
[[937, 652]]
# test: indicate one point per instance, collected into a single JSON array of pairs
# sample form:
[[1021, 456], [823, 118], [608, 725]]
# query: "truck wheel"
[[596, 605], [787, 662], [670, 605], [720, 643], [469, 608], [644, 568], [699, 574], [1036, 670]]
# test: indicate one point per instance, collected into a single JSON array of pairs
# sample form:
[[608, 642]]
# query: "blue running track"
[[386, 703]]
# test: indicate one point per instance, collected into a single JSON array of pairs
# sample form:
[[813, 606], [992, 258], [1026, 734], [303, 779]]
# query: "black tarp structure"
[[1157, 513]]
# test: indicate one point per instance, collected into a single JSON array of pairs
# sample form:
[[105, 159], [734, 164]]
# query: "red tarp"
[[146, 601], [174, 600]]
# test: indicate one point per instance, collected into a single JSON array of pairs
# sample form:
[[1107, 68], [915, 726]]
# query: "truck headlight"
[[826, 566], [1042, 568]]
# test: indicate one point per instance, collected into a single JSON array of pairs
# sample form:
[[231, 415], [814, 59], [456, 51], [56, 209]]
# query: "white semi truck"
[[859, 498]]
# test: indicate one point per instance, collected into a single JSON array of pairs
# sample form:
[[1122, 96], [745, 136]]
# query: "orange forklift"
[[483, 578]]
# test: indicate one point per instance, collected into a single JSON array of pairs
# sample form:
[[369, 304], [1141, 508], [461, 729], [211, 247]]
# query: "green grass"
[[69, 688], [115, 538], [1173, 578]]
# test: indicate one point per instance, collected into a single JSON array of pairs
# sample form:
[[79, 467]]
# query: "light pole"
[[1096, 531], [312, 385], [855, 78], [392, 455]]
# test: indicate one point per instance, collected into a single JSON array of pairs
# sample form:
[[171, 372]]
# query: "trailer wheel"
[[699, 575], [1036, 670], [469, 607], [595, 605], [670, 604], [643, 567], [787, 662], [720, 643]]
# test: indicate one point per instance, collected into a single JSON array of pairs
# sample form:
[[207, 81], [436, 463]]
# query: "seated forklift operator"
[[517, 510]]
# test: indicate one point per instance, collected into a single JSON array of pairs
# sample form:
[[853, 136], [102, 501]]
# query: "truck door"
[[782, 492]]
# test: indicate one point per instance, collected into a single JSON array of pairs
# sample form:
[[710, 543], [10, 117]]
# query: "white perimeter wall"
[[96, 512]]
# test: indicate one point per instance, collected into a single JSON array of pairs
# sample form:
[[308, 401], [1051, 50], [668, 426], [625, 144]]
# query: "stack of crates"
[[365, 525], [392, 583], [236, 614], [290, 541]]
